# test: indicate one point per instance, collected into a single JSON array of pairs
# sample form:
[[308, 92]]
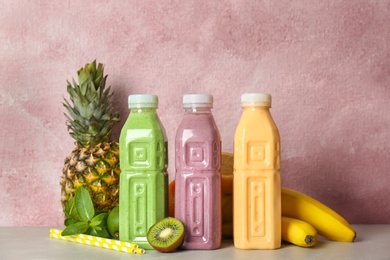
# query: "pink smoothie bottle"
[[198, 177]]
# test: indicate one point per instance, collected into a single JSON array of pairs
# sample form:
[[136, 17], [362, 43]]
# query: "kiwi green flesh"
[[166, 235]]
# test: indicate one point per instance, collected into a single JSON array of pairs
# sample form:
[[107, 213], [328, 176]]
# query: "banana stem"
[[309, 239]]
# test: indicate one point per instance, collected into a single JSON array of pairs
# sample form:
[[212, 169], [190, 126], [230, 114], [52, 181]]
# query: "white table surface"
[[372, 242]]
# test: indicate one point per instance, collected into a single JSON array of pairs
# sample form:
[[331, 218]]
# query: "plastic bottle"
[[256, 181], [143, 192], [198, 178]]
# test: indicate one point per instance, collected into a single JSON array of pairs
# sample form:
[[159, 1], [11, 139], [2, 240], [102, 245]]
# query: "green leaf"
[[69, 207], [71, 211], [84, 204], [69, 221], [99, 221], [99, 233], [75, 229]]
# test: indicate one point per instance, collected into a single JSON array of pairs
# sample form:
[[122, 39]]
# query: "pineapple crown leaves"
[[91, 114]]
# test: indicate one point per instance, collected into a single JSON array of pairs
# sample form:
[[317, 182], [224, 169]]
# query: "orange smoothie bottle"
[[256, 186]]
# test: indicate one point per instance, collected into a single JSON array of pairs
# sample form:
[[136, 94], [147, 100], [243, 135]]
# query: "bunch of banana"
[[326, 221], [302, 216]]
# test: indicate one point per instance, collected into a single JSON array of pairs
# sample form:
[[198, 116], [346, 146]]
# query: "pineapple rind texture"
[[101, 178]]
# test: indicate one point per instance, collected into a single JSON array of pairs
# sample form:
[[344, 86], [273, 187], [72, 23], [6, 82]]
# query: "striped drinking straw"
[[112, 244]]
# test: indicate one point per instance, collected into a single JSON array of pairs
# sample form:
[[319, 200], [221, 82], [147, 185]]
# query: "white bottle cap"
[[143, 100], [197, 100], [256, 99]]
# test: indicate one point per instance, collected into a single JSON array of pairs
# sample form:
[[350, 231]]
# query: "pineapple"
[[94, 162]]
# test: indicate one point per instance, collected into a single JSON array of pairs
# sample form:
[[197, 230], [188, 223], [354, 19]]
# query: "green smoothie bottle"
[[143, 192]]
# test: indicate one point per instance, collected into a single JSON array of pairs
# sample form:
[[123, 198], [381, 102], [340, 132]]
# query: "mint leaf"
[[84, 205], [71, 211], [99, 221], [98, 233], [69, 221], [76, 228]]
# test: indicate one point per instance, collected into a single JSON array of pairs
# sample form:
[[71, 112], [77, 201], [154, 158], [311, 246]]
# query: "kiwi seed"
[[166, 235]]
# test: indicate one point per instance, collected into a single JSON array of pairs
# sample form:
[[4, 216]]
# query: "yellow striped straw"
[[99, 242], [98, 239]]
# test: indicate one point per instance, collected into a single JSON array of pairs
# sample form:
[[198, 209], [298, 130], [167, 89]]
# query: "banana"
[[326, 221], [294, 231], [298, 232]]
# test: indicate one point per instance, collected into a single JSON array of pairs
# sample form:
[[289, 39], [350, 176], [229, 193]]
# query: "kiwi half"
[[166, 235]]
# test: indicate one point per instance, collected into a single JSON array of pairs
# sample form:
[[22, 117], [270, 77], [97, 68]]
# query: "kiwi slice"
[[166, 235]]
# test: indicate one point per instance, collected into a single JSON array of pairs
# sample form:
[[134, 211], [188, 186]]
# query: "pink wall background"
[[326, 63]]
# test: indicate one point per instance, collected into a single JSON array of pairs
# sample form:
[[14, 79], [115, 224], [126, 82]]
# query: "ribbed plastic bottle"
[[143, 192], [256, 181], [198, 178]]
